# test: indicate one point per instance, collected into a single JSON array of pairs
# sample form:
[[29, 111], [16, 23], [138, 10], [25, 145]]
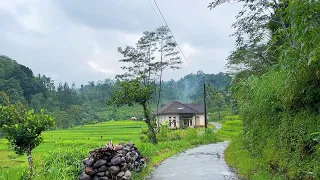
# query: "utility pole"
[[205, 106]]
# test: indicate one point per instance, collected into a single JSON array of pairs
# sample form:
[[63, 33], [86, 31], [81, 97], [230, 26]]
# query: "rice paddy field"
[[60, 155], [85, 138]]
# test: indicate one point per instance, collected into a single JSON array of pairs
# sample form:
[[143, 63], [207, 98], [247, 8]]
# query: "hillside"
[[72, 106]]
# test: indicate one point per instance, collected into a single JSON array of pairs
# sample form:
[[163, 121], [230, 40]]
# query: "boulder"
[[118, 147], [114, 169], [88, 161], [132, 156], [122, 152], [103, 178], [84, 176], [120, 174], [103, 168], [89, 171], [127, 175], [130, 144], [100, 174], [108, 174], [124, 167], [116, 161], [107, 158], [123, 160], [99, 163]]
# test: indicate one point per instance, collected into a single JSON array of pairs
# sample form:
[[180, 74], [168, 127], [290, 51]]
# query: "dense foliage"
[[71, 105], [277, 84], [23, 128]]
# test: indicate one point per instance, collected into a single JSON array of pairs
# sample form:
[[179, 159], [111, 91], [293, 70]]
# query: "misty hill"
[[190, 87], [74, 106]]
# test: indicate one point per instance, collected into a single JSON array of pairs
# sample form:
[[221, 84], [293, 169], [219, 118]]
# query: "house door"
[[186, 123]]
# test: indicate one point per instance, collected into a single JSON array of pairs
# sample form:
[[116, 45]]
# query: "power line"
[[173, 36], [155, 11], [204, 86]]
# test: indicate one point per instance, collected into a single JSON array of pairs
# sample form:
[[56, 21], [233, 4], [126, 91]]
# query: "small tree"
[[143, 68], [23, 128], [134, 91]]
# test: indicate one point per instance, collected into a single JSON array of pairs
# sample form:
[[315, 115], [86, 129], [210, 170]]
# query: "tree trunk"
[[30, 160], [160, 84], [146, 112]]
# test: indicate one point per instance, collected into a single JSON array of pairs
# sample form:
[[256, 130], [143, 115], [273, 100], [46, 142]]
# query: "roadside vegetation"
[[231, 127], [276, 83], [60, 155]]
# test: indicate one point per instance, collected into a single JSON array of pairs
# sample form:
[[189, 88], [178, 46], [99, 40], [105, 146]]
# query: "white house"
[[180, 115]]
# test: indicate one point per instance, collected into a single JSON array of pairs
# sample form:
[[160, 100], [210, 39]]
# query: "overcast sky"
[[77, 40]]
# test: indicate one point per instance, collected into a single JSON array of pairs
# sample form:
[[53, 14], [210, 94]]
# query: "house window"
[[169, 123], [174, 122]]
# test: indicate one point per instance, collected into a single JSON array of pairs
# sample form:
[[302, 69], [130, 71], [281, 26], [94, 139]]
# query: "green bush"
[[278, 128], [62, 163], [174, 136]]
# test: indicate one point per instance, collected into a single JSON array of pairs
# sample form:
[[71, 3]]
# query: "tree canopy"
[[276, 66], [23, 128]]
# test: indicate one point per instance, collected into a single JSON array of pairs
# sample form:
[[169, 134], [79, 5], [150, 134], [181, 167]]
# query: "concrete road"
[[217, 125], [201, 163]]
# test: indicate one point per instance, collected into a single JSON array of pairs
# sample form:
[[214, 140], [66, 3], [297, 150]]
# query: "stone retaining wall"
[[113, 162]]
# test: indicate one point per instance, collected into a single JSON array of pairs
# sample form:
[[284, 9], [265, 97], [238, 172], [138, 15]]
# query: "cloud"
[[189, 51], [77, 42], [98, 68]]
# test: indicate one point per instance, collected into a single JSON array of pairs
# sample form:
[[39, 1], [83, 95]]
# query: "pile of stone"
[[113, 162]]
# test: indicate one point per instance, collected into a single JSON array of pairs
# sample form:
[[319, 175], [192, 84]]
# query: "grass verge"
[[61, 154], [238, 157]]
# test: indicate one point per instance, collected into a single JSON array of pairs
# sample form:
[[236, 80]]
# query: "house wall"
[[201, 117], [163, 118]]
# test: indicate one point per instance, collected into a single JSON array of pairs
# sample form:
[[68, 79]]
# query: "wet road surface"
[[217, 125], [200, 163]]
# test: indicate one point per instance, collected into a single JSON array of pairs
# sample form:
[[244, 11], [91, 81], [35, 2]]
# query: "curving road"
[[201, 163], [217, 125]]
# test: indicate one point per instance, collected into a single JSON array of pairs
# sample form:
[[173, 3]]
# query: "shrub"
[[62, 163], [174, 136]]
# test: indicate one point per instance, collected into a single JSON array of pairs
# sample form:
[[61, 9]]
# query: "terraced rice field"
[[84, 137]]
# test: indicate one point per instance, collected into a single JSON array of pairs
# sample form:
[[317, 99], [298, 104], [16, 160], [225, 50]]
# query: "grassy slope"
[[231, 127], [61, 145], [238, 157]]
